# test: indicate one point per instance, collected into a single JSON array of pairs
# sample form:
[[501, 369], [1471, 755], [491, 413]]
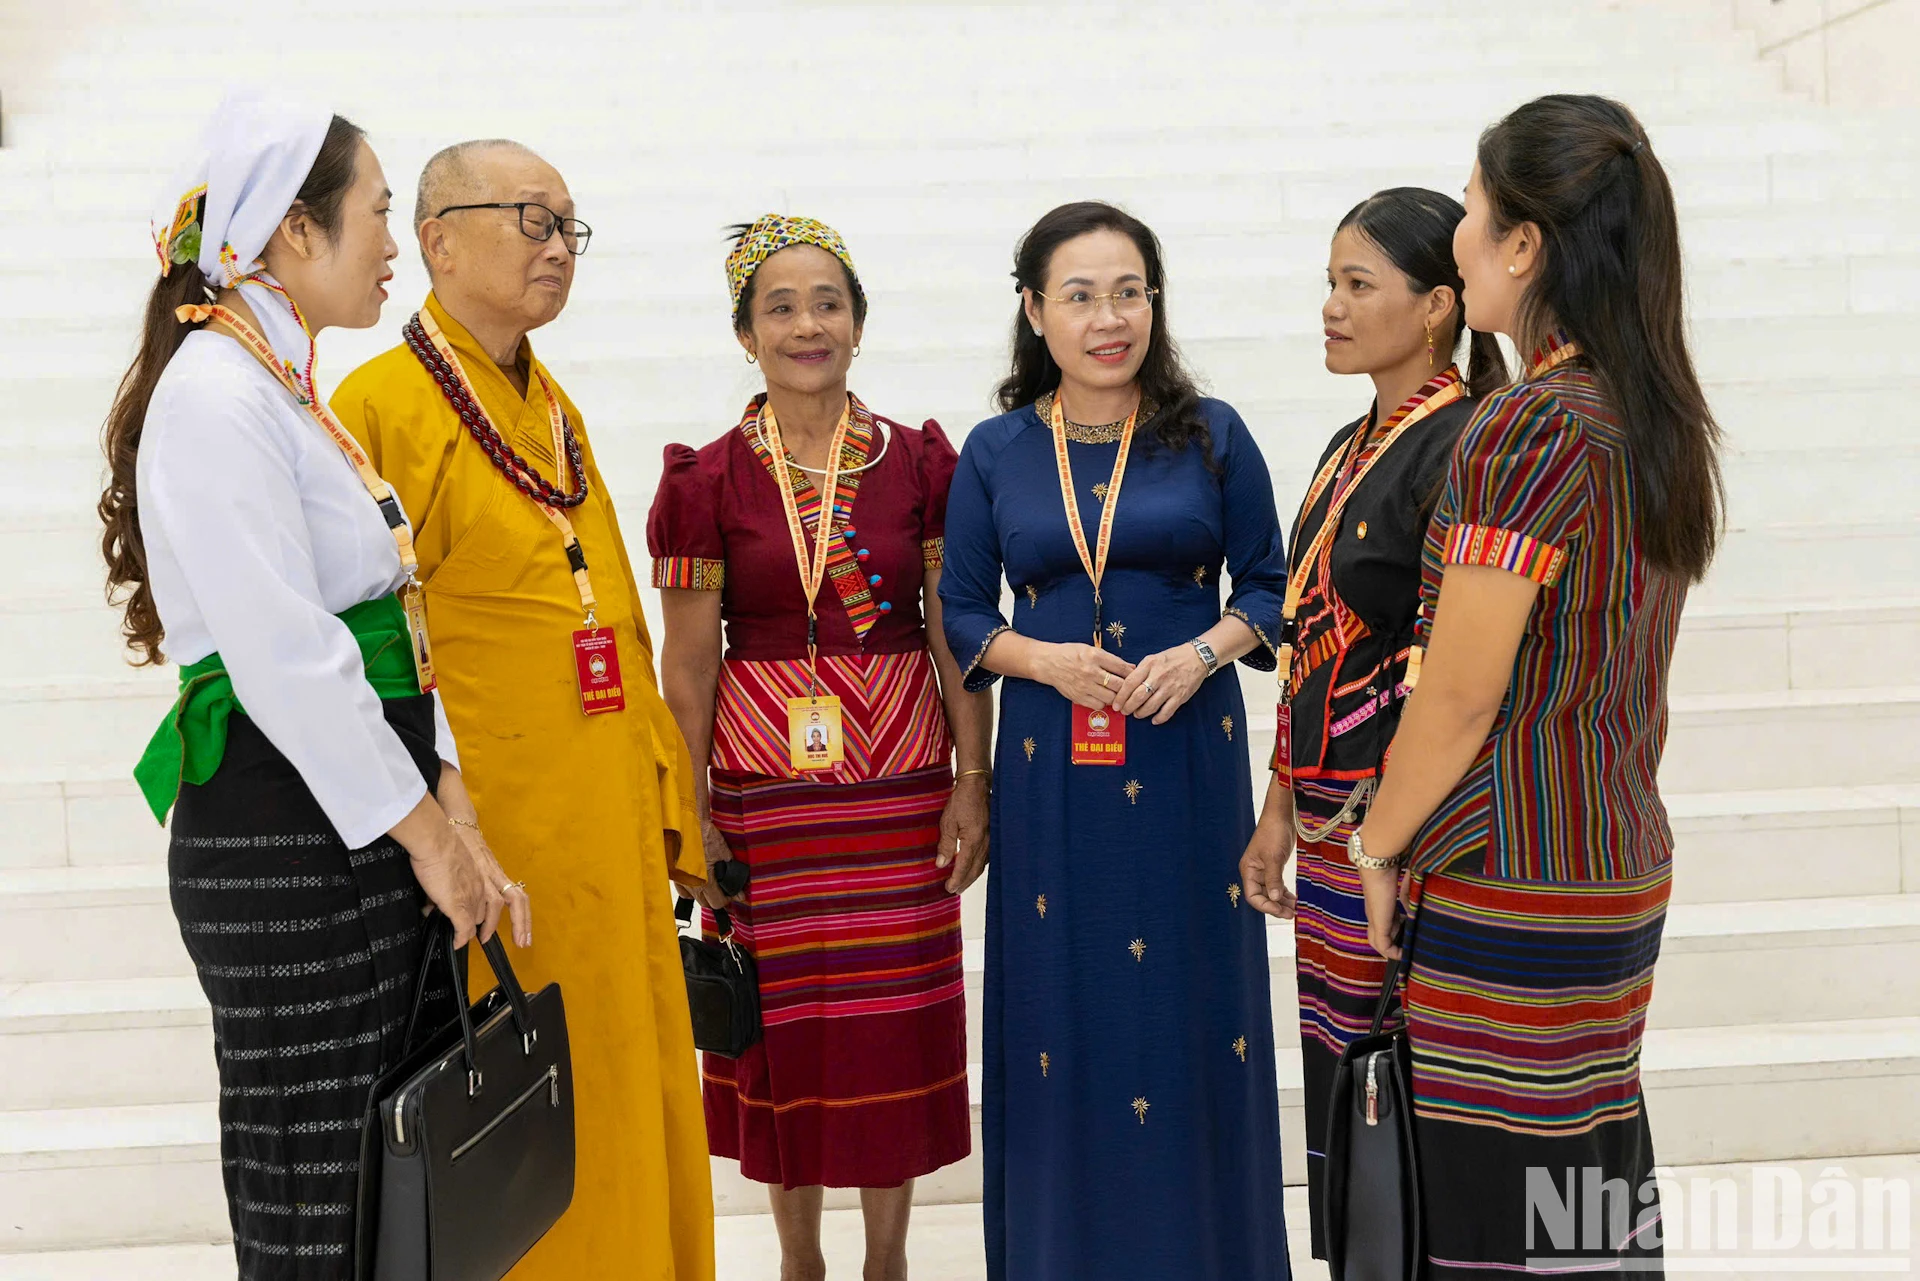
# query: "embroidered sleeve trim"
[[968, 679], [934, 552], [1505, 549], [691, 572], [1262, 659]]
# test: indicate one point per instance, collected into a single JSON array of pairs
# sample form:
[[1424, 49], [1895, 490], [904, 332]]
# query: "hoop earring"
[[752, 359], [856, 351], [1429, 344]]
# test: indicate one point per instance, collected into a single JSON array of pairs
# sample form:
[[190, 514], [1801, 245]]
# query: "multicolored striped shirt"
[[1564, 789]]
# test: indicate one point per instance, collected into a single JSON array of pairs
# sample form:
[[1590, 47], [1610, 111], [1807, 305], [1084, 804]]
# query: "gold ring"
[[511, 886], [1104, 678]]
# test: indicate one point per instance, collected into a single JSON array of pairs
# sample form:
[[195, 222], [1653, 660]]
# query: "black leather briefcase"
[[466, 1157], [1373, 1212], [723, 988]]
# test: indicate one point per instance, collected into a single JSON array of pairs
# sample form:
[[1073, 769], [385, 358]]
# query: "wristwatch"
[[1358, 856], [1207, 656]]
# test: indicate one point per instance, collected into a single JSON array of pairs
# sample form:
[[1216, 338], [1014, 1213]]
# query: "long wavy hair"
[[321, 196], [1581, 169], [1414, 227], [1163, 376]]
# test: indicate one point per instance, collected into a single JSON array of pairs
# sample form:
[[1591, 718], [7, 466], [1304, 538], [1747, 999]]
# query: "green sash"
[[189, 745]]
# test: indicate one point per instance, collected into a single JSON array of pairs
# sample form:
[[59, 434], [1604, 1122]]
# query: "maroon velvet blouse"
[[717, 524]]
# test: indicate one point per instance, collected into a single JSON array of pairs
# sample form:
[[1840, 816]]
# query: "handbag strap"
[[683, 913], [428, 956], [1397, 969], [496, 954]]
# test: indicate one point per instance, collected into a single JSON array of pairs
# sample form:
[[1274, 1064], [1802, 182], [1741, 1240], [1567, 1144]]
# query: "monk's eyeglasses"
[[1082, 303], [537, 222]]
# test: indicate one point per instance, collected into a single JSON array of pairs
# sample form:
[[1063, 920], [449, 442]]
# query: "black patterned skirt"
[[308, 953]]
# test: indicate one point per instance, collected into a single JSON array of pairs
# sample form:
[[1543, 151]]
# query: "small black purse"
[[467, 1151], [1373, 1211], [723, 987]]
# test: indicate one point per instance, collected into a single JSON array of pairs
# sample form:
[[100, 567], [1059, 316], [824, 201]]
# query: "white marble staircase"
[[1786, 1020]]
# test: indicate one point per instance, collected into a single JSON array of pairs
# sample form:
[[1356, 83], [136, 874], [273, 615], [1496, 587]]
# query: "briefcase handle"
[[440, 946]]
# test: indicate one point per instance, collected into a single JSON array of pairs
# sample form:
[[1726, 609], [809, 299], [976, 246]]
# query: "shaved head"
[[486, 269], [457, 175]]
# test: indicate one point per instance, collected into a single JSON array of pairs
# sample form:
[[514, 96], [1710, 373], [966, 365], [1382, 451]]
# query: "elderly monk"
[[546, 670]]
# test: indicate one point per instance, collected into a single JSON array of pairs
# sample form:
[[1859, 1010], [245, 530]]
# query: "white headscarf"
[[220, 213], [245, 172]]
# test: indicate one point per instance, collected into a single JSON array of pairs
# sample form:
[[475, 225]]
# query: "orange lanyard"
[[556, 420], [1096, 563], [812, 573], [377, 486], [1304, 569]]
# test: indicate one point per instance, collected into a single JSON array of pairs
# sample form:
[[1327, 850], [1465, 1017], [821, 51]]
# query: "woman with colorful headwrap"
[[317, 804], [822, 745]]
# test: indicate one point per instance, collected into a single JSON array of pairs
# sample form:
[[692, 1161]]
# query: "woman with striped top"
[[822, 747], [1519, 825]]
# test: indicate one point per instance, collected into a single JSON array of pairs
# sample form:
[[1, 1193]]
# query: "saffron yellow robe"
[[594, 812]]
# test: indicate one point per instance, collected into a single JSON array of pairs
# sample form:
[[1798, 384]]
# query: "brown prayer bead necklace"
[[511, 464]]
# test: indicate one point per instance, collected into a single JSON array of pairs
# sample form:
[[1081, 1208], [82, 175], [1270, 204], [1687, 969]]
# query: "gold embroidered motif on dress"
[[1138, 947], [1033, 597], [1029, 745], [1239, 1047], [1045, 1061], [1140, 1107], [1118, 631], [1200, 575], [1100, 491], [1226, 723], [1040, 905], [1233, 895], [1133, 790]]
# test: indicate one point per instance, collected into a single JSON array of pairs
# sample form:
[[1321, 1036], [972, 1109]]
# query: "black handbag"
[[466, 1156], [723, 987], [1373, 1211]]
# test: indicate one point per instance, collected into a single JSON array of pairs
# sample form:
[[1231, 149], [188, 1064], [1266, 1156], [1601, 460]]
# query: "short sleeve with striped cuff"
[[1520, 487], [683, 530]]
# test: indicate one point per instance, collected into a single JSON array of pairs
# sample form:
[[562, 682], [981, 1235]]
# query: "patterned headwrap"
[[774, 232]]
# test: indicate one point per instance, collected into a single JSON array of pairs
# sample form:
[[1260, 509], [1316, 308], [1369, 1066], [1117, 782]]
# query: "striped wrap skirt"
[[308, 953], [861, 1078], [1525, 1010]]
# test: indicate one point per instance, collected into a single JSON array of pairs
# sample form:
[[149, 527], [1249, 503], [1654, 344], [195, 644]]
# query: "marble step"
[[146, 1175], [66, 1041]]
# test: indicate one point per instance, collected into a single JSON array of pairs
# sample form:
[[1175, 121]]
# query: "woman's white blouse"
[[258, 531]]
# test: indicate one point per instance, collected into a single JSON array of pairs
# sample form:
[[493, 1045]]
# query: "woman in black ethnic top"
[[1393, 312]]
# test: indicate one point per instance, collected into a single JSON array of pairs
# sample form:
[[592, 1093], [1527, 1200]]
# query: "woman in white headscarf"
[[317, 804]]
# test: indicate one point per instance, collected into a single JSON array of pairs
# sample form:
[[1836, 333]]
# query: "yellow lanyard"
[[377, 486], [556, 420], [1304, 568], [812, 574], [1096, 563]]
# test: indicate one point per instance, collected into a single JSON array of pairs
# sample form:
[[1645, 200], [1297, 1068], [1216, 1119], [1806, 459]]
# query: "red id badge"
[[598, 661], [1283, 739], [1099, 736]]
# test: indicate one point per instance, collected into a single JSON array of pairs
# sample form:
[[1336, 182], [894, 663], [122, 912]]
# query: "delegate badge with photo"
[[414, 602], [813, 732], [598, 661], [1283, 738], [1099, 736]]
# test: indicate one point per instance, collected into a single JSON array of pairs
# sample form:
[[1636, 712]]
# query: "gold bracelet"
[[461, 822], [965, 772]]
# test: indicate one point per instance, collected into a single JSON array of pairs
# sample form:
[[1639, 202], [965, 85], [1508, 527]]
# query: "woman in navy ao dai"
[[1130, 1124]]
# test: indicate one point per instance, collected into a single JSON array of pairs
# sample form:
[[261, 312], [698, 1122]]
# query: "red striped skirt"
[[1525, 1011], [861, 1079]]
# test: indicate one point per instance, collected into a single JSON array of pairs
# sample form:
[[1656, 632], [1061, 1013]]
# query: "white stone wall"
[[1844, 53]]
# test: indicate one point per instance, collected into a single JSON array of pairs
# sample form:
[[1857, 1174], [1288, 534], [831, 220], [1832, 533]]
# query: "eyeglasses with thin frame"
[[1080, 303], [537, 222]]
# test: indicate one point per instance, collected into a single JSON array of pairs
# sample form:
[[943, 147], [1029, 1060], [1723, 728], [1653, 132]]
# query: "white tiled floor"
[[945, 1244]]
